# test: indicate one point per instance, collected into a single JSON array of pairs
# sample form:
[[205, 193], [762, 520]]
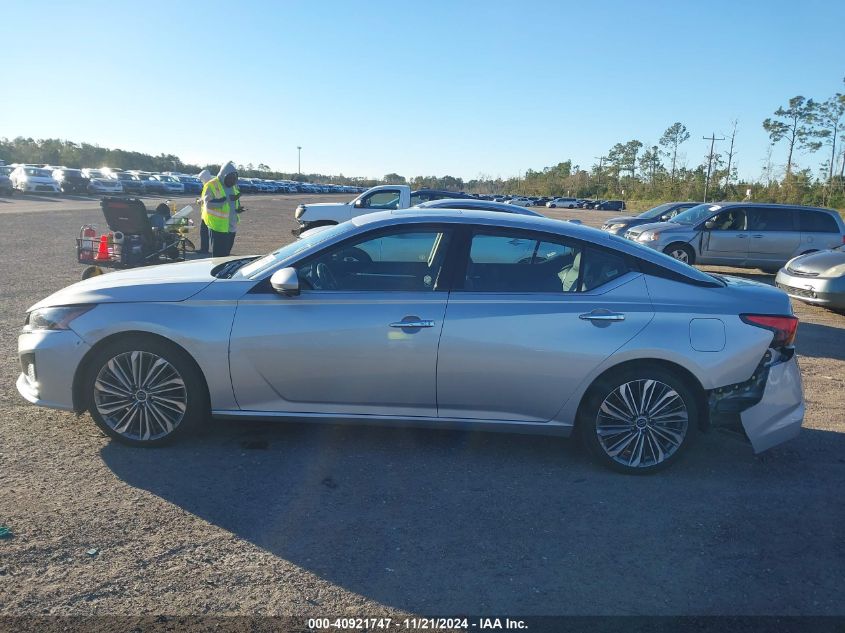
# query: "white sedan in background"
[[34, 180]]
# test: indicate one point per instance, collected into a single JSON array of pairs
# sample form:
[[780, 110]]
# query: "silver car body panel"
[[779, 415], [504, 361]]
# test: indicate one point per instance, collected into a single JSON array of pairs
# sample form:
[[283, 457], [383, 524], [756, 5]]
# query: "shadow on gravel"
[[451, 522], [820, 341]]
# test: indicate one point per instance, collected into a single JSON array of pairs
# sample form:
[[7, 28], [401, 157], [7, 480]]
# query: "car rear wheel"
[[639, 421], [144, 392], [681, 252]]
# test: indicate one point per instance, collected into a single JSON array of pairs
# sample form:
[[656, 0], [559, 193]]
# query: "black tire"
[[659, 443], [674, 251], [91, 271], [178, 365]]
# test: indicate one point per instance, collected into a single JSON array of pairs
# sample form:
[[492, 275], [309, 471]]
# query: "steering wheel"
[[355, 255], [326, 277]]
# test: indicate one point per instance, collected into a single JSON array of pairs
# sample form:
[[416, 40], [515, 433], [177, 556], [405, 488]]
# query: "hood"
[[819, 264], [625, 219], [204, 176], [226, 169], [166, 282], [659, 226]]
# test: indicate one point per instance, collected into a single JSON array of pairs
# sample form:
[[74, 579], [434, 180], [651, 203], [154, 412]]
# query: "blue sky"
[[422, 88]]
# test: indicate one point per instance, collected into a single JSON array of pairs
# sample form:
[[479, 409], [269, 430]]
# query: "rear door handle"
[[757, 237], [742, 236], [413, 323], [601, 315]]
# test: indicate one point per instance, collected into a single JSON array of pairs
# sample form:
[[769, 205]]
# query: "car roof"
[[444, 203], [451, 194], [725, 205]]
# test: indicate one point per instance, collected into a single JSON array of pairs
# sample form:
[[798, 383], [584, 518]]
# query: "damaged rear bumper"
[[780, 412], [769, 406]]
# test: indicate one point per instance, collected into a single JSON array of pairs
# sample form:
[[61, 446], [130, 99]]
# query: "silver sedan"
[[440, 318], [817, 277]]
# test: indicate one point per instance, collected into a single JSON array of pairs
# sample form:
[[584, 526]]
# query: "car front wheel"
[[144, 392], [681, 252], [639, 421]]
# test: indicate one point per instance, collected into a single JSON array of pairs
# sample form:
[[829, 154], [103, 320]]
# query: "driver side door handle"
[[601, 315], [415, 323]]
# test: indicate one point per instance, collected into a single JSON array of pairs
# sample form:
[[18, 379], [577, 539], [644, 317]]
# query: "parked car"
[[660, 213], [563, 203], [746, 234], [104, 185], [193, 186], [377, 198], [610, 205], [152, 186], [520, 201], [817, 278], [71, 180], [589, 204], [6, 187], [170, 185], [131, 183], [549, 325], [33, 180]]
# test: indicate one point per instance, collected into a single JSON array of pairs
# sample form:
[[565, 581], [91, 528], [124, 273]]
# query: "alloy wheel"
[[680, 254], [140, 395], [642, 423]]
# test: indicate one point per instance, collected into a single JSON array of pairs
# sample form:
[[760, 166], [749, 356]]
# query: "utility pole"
[[299, 160], [730, 157], [712, 138], [601, 160]]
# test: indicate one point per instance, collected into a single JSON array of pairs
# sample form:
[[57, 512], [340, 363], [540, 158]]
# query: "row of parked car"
[[557, 202], [110, 181]]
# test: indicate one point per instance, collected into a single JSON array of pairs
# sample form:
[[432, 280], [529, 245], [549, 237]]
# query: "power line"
[[712, 138]]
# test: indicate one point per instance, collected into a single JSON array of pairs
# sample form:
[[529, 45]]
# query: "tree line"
[[633, 169]]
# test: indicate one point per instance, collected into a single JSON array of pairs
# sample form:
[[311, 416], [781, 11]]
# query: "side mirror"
[[359, 204], [285, 282], [710, 225]]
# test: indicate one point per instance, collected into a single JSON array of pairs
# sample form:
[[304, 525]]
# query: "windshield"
[[40, 173], [263, 264], [95, 173], [166, 179], [695, 214], [656, 212]]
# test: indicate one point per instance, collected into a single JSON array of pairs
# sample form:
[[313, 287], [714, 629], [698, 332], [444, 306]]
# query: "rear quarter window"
[[817, 222]]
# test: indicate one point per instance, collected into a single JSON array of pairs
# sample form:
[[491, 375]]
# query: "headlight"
[[300, 211], [648, 236], [615, 227], [836, 271], [58, 318]]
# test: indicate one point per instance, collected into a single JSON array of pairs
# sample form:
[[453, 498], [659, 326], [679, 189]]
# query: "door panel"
[[506, 356], [724, 239], [336, 352], [773, 236]]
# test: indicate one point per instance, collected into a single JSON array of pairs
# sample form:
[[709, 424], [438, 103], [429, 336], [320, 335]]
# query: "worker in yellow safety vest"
[[221, 204]]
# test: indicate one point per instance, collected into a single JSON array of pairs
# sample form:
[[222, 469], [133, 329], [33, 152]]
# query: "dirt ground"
[[267, 519]]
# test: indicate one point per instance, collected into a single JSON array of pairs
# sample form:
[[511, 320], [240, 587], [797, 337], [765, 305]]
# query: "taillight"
[[784, 327]]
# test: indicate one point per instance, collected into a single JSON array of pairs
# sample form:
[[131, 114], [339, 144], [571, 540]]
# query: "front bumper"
[[34, 187], [823, 292], [780, 412], [56, 355]]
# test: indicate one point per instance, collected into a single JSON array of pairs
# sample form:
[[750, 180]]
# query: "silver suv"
[[743, 234]]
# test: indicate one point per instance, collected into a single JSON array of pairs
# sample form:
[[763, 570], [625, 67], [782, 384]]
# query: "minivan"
[[753, 235]]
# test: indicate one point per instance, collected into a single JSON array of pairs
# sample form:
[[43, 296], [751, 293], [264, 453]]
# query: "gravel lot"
[[257, 518]]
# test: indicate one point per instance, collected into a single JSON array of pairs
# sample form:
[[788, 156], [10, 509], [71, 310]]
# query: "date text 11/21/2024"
[[417, 624]]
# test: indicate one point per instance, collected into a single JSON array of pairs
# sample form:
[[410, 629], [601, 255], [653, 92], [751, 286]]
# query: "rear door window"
[[515, 262], [772, 219], [816, 222]]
